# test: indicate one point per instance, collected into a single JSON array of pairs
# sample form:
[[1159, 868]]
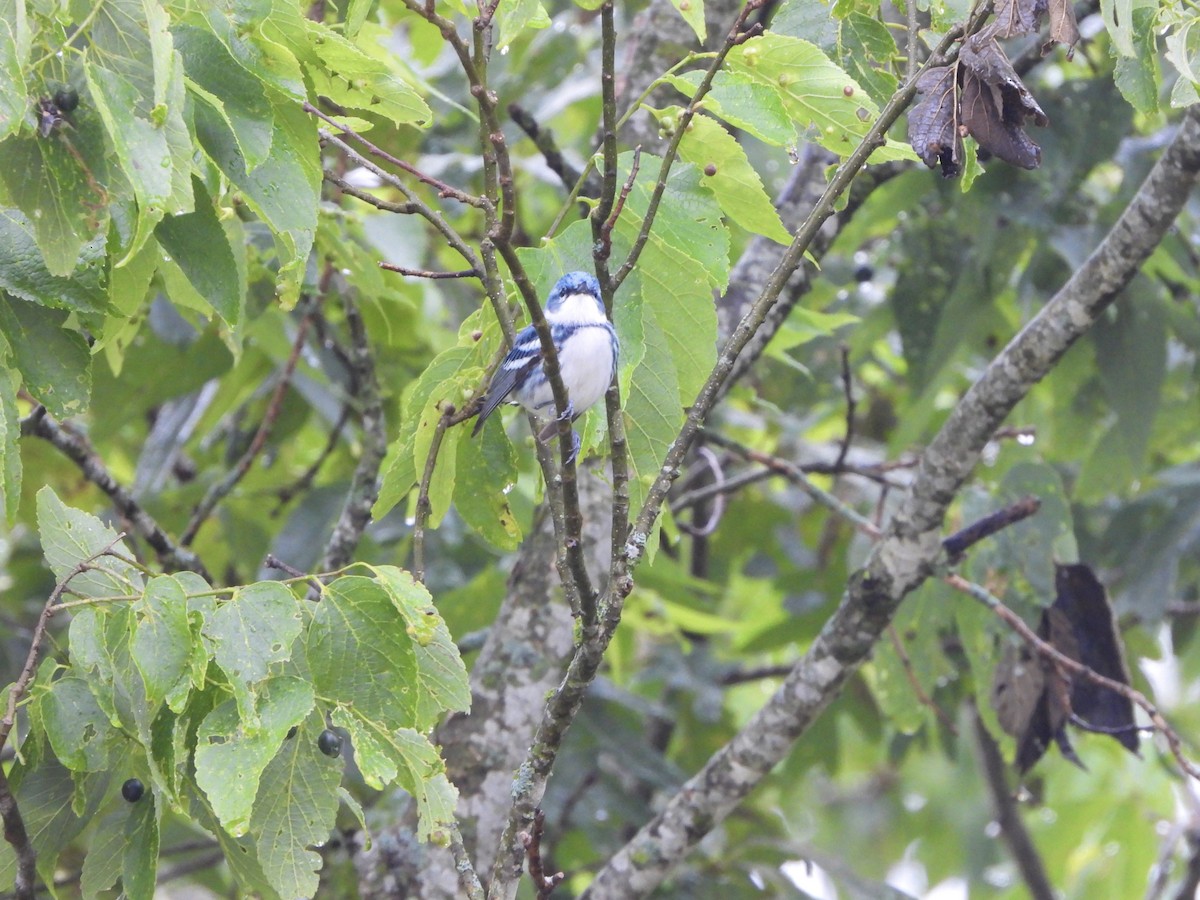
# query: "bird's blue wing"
[[526, 353]]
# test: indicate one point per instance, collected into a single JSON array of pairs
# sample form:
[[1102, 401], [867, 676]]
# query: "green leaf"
[[236, 96], [1137, 76], [513, 18], [139, 864], [360, 654], [652, 416], [231, 755], [136, 86], [693, 13], [867, 47], [252, 630], [162, 643], [442, 680], [294, 811], [14, 54], [102, 863], [283, 191], [25, 274], [58, 183], [79, 731], [812, 20], [1131, 354], [53, 360], [486, 470], [405, 756], [817, 94], [199, 246], [241, 854], [452, 375], [737, 187], [70, 536], [10, 452], [743, 103]]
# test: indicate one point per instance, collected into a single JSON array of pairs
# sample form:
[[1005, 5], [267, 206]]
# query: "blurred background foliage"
[[930, 279]]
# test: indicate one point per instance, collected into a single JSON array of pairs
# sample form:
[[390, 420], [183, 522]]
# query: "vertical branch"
[[424, 506], [364, 488]]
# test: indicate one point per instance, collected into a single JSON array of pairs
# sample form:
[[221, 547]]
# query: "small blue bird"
[[587, 356]]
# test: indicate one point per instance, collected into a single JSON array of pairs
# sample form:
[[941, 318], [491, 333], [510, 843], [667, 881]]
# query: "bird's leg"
[[551, 429], [568, 414]]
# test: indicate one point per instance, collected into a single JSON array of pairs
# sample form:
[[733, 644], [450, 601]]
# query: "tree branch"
[[76, 448], [911, 546]]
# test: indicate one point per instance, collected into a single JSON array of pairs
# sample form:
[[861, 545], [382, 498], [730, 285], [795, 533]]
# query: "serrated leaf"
[[693, 13], [734, 183], [444, 379], [69, 536], [215, 78], [360, 654], [102, 863], [139, 863], [135, 84], [10, 452], [743, 103], [817, 94], [407, 757], [198, 245], [513, 18], [652, 415], [1137, 76], [79, 731], [162, 643], [252, 630], [295, 811], [283, 191], [442, 680], [241, 854], [231, 757], [26, 274], [813, 20], [13, 57], [486, 470], [54, 361], [867, 47]]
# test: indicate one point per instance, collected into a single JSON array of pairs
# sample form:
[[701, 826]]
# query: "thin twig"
[[851, 405], [544, 141], [274, 562], [424, 506], [718, 507], [1008, 816], [304, 482], [543, 884], [221, 489], [426, 273], [443, 189], [958, 543], [77, 448], [915, 683], [468, 880]]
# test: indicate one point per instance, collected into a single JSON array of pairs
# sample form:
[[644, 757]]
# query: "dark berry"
[[66, 99], [863, 273], [329, 742], [291, 732], [132, 790]]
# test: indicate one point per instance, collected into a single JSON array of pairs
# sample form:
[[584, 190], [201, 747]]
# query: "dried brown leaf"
[[1063, 27], [1017, 688], [933, 121], [1014, 17], [996, 103]]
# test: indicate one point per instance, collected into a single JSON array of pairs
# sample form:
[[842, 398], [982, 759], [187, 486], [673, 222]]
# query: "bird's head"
[[575, 298]]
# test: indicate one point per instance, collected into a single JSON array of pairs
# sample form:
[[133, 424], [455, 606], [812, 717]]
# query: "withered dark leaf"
[[996, 103], [1084, 602], [932, 121], [1017, 688], [1063, 27], [1048, 720], [1014, 17]]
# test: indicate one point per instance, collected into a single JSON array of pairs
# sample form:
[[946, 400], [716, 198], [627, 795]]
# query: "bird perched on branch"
[[587, 349]]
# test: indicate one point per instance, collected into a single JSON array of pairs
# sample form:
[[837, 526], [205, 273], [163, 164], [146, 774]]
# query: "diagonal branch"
[[77, 448], [911, 546]]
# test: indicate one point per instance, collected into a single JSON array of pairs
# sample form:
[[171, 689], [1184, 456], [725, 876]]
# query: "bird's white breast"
[[586, 362], [577, 309]]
